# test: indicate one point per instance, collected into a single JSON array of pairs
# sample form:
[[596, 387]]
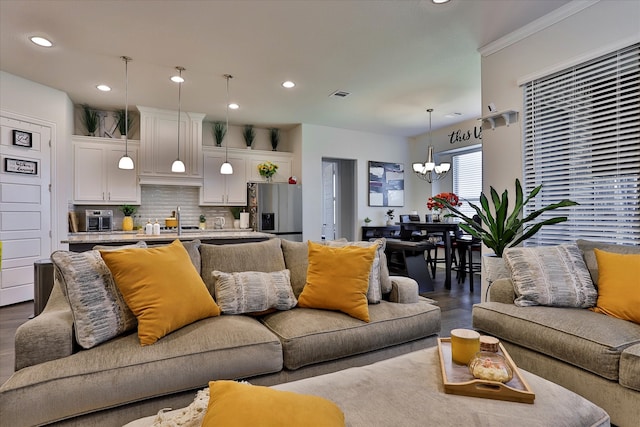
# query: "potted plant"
[[367, 221], [274, 137], [503, 230], [219, 131], [127, 221], [124, 123], [498, 229], [202, 222], [249, 135], [235, 211], [90, 119]]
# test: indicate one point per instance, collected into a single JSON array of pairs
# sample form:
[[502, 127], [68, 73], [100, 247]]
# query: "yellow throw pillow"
[[338, 279], [618, 285], [233, 404], [161, 287]]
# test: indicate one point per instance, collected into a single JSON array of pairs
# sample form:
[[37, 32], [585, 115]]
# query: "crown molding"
[[539, 24]]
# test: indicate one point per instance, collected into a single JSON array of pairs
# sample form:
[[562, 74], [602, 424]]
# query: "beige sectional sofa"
[[594, 355], [117, 381]]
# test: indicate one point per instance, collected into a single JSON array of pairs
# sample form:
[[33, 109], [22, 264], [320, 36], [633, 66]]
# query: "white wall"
[[320, 141], [34, 100], [603, 27]]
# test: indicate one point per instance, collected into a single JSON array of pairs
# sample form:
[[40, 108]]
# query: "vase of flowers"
[[390, 217], [442, 209], [267, 170]]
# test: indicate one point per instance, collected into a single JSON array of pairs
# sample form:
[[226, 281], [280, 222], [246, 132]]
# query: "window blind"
[[467, 179], [582, 142]]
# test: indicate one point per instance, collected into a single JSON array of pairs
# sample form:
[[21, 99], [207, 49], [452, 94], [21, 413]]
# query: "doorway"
[[25, 204], [338, 199]]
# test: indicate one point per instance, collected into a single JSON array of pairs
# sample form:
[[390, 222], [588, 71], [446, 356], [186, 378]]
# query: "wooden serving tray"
[[458, 380]]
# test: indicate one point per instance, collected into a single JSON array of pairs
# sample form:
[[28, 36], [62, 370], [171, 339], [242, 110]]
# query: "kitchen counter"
[[80, 242]]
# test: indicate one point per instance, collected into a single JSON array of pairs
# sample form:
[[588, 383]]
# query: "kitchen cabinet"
[[159, 147], [96, 177], [223, 190], [282, 159]]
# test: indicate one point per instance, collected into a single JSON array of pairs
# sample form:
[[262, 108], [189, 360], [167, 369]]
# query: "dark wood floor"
[[455, 305]]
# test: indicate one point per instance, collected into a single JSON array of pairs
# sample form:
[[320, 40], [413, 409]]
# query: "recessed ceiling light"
[[177, 79], [103, 88], [234, 106], [288, 84], [41, 41], [453, 115], [440, 1]]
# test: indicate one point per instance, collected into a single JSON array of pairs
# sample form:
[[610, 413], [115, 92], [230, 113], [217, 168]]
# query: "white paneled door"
[[25, 203]]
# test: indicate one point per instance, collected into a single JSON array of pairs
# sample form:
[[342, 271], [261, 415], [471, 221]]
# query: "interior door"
[[25, 206]]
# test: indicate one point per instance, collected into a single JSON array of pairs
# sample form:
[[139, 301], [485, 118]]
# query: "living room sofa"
[[58, 382], [592, 354]]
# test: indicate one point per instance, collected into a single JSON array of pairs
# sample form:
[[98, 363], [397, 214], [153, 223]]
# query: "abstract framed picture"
[[386, 184]]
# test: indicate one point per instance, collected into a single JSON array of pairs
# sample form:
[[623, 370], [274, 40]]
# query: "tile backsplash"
[[159, 201]]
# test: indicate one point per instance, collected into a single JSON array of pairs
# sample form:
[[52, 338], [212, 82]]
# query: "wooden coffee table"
[[408, 391]]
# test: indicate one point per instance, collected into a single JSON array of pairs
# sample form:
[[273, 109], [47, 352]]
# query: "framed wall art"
[[22, 138], [386, 184], [21, 166]]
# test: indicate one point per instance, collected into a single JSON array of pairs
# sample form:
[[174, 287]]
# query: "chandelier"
[[428, 170]]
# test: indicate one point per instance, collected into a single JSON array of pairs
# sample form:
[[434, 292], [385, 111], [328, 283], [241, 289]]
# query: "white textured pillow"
[[253, 291], [378, 271], [97, 306], [550, 275]]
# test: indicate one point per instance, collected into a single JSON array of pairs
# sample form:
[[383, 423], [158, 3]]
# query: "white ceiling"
[[396, 57]]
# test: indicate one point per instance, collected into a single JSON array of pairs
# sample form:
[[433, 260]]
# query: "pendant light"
[[428, 170], [226, 168], [126, 162], [178, 166]]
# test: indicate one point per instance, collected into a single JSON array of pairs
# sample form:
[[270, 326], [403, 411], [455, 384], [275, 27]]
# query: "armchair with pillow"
[[571, 314], [128, 332]]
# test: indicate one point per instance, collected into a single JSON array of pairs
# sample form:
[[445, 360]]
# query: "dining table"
[[446, 229]]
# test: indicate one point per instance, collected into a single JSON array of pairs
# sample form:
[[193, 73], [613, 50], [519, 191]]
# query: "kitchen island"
[[80, 242]]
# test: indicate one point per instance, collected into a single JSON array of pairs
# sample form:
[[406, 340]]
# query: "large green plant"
[[503, 230]]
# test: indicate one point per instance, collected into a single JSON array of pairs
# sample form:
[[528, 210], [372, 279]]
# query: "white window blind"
[[467, 179], [582, 142]]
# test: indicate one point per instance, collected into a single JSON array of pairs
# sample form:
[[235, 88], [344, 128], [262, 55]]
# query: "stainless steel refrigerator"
[[276, 209]]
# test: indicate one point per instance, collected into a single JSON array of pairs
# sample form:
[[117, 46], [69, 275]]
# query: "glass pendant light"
[[226, 168], [178, 166], [428, 170], [126, 162]]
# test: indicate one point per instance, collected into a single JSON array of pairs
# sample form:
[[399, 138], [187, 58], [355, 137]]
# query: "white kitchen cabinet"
[[159, 147], [282, 159], [223, 190], [96, 177]]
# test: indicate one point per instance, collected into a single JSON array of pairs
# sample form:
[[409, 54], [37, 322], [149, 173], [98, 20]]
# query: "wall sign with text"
[[465, 136], [26, 167]]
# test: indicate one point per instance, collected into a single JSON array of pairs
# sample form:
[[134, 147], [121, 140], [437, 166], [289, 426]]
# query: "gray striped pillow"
[[550, 275], [98, 308], [253, 291]]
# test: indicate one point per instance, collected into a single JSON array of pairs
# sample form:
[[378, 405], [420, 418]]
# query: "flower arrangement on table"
[[267, 169], [449, 197]]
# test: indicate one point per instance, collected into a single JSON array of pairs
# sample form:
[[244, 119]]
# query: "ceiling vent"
[[340, 94]]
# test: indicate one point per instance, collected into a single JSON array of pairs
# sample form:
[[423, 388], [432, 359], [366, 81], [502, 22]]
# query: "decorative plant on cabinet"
[[219, 131], [274, 137], [249, 135]]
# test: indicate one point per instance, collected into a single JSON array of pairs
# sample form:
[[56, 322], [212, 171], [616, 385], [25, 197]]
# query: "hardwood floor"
[[455, 305]]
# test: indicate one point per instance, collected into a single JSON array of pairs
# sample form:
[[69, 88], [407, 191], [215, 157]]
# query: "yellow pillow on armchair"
[[338, 279], [161, 287], [618, 285]]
